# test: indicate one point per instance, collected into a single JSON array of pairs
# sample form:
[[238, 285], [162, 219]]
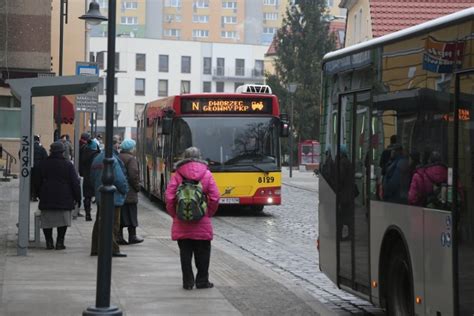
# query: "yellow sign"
[[226, 106]]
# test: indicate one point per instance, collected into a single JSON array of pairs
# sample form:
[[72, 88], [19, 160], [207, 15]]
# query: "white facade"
[[249, 70]]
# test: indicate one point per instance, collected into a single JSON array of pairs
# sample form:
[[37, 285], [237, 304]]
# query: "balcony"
[[232, 74]]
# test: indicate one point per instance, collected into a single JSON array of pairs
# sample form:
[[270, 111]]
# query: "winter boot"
[[120, 239], [88, 216], [48, 235], [60, 239], [133, 238], [87, 208]]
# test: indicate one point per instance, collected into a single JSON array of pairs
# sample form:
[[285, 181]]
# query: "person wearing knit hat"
[[60, 191], [129, 211]]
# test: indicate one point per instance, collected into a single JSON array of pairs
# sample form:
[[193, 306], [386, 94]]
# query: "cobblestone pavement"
[[282, 238]]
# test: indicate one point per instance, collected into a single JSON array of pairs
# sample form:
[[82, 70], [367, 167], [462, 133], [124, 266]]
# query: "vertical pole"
[[59, 117], [25, 176], [107, 190], [291, 138]]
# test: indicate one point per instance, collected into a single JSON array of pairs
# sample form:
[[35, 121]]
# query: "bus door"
[[353, 174], [463, 196]]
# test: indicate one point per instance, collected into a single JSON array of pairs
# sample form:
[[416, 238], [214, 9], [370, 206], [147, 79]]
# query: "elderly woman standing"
[[60, 190], [194, 238], [128, 212]]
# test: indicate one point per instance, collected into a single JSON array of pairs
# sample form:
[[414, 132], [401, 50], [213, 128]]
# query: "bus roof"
[[443, 21]]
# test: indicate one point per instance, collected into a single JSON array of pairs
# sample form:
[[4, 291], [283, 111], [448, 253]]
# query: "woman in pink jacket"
[[193, 237], [425, 177]]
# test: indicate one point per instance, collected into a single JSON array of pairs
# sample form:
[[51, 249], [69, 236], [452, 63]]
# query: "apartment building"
[[149, 69], [223, 21]]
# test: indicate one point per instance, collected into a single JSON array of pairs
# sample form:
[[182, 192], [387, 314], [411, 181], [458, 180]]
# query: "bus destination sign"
[[226, 106]]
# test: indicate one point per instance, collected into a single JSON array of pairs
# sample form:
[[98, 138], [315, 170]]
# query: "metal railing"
[[9, 159]]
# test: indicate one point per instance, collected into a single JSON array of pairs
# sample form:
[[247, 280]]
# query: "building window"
[[129, 20], [219, 86], [269, 30], [138, 110], [139, 86], [10, 117], [269, 2], [104, 4], [220, 69], [101, 85], [201, 4], [172, 18], [163, 63], [130, 5], [200, 18], [117, 61], [229, 4], [173, 3], [258, 70], [100, 59], [140, 62], [329, 3], [172, 33], [185, 86], [270, 16], [229, 34], [200, 33], [185, 64], [229, 20], [206, 86], [162, 88], [240, 67], [206, 65], [100, 111], [237, 84]]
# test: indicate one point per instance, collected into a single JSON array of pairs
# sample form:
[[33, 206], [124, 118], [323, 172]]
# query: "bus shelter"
[[24, 90]]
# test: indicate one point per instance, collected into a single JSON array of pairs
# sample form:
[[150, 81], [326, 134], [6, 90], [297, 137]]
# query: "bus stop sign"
[[87, 102]]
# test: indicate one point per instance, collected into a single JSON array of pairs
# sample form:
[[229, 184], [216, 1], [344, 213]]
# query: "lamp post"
[[62, 14], [291, 89], [104, 261]]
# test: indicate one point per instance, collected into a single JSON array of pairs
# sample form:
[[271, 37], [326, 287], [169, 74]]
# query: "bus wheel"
[[257, 208], [399, 284]]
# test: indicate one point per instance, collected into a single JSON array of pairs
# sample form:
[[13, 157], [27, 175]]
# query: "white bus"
[[396, 191]]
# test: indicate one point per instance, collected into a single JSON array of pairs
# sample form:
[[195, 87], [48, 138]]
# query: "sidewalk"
[[147, 282], [305, 180]]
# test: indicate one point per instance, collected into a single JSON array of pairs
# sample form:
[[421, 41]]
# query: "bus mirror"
[[284, 126], [166, 128]]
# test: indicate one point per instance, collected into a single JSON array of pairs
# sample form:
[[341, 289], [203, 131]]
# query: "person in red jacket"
[[194, 238], [423, 179]]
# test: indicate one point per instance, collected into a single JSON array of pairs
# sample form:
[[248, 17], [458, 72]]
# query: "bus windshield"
[[229, 143]]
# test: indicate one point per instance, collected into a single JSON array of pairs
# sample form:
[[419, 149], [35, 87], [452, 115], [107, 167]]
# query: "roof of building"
[[389, 16]]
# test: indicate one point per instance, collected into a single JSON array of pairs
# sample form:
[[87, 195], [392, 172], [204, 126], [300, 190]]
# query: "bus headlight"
[[270, 200]]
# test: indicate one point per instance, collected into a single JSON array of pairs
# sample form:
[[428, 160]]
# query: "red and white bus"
[[238, 135]]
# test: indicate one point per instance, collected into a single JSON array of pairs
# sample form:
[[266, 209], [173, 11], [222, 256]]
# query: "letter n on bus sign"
[[87, 102]]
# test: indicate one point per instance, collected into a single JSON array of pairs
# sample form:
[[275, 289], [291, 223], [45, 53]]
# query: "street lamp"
[[62, 14], [104, 261], [291, 89]]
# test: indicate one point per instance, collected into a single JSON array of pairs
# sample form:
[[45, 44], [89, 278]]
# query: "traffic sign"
[[87, 102]]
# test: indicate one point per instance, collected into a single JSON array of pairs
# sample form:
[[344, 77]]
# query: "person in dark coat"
[[396, 181], [386, 154], [39, 155], [88, 150], [60, 190], [345, 187], [128, 212]]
